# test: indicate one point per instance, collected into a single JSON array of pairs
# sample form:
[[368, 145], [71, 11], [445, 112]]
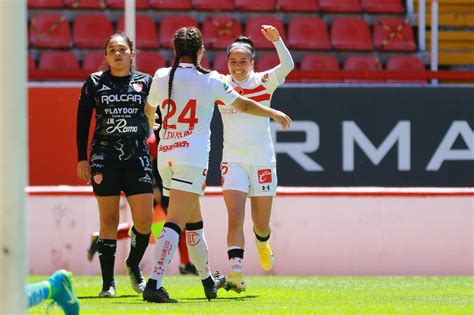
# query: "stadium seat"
[[308, 33], [45, 4], [340, 6], [220, 63], [393, 34], [50, 31], [145, 28], [91, 31], [150, 61], [313, 62], [405, 63], [170, 24], [351, 34], [92, 60], [120, 4], [219, 31], [213, 5], [252, 29], [383, 6], [252, 5], [58, 61], [85, 4], [266, 61], [362, 63], [171, 4], [300, 5], [31, 62]]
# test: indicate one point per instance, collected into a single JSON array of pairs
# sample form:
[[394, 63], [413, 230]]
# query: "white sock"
[[197, 247], [163, 252], [235, 262]]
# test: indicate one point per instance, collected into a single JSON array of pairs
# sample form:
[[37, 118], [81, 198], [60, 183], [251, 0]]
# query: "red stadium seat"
[[92, 60], [220, 63], [300, 5], [120, 4], [406, 63], [362, 63], [267, 61], [252, 5], [171, 4], [91, 31], [45, 4], [50, 31], [219, 31], [308, 33], [170, 24], [394, 34], [31, 62], [351, 34], [383, 6], [146, 33], [252, 29], [320, 63], [85, 4], [340, 6], [58, 60], [213, 5], [150, 61]]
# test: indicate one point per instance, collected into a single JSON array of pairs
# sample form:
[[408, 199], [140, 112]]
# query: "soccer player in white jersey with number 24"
[[248, 165], [185, 95]]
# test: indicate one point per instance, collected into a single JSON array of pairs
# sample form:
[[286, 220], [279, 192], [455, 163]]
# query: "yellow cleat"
[[266, 256], [235, 282]]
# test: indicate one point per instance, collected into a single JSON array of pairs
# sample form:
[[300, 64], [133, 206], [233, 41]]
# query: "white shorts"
[[255, 180], [182, 177]]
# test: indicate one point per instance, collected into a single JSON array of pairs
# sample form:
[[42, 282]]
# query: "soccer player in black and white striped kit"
[[119, 158]]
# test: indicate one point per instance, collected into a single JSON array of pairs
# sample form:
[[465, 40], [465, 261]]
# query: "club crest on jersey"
[[265, 78], [137, 86], [264, 176], [98, 178]]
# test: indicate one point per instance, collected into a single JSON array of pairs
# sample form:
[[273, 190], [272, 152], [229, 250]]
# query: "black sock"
[[107, 249], [261, 238], [138, 245]]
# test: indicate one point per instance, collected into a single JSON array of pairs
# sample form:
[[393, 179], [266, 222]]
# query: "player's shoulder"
[[141, 76], [94, 78], [162, 72]]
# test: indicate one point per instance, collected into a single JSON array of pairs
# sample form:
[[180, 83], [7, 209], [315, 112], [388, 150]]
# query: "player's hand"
[[282, 119], [84, 171], [270, 33]]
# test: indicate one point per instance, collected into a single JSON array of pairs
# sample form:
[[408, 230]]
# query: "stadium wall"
[[315, 231]]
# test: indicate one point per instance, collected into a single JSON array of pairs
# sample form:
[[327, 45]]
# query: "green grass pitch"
[[286, 295]]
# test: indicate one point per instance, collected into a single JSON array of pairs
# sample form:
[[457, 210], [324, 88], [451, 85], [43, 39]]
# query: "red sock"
[[183, 249], [122, 231]]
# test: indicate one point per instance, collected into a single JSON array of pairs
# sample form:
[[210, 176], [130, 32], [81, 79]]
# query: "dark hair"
[[105, 66], [242, 42], [186, 41]]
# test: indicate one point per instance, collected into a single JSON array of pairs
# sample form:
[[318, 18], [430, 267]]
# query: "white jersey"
[[185, 133], [247, 138]]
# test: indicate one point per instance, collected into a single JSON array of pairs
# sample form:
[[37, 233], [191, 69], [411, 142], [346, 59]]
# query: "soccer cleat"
[[136, 278], [188, 269], [63, 293], [219, 282], [266, 256], [153, 295], [108, 291], [235, 282], [93, 247]]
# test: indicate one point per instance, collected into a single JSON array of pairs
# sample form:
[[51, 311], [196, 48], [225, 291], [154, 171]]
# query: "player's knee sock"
[[164, 250], [261, 240], [106, 250], [183, 249], [138, 245], [197, 248], [236, 257], [37, 292]]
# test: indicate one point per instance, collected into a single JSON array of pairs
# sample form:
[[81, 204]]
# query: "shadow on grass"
[[93, 297], [226, 299]]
